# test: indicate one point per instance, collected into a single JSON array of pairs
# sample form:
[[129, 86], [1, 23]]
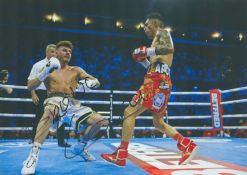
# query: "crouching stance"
[[60, 80]]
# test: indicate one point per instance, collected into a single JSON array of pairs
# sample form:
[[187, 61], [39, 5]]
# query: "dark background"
[[103, 50]]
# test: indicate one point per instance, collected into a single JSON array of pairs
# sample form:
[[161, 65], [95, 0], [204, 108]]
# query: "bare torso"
[[64, 81], [166, 59]]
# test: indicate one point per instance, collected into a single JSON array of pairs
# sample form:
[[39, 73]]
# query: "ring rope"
[[108, 102], [114, 91], [138, 117], [234, 101], [136, 128], [127, 103], [234, 90], [134, 92]]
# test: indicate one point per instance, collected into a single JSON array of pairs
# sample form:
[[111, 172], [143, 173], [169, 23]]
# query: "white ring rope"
[[136, 128], [87, 91], [234, 90], [127, 103], [134, 92], [234, 115], [139, 117], [114, 91], [108, 102], [234, 101], [172, 93], [17, 115]]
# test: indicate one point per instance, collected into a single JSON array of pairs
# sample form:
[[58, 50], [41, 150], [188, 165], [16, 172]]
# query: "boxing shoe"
[[188, 148], [29, 165], [117, 158], [79, 149]]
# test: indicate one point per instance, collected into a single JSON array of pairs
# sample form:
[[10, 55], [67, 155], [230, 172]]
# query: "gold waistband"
[[58, 94]]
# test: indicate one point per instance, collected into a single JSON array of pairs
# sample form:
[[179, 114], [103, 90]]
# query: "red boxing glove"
[[142, 52]]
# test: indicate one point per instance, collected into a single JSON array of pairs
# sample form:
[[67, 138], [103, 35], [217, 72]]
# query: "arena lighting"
[[183, 34], [87, 21], [169, 29], [222, 39], [54, 17], [240, 36], [216, 35], [119, 24], [139, 26]]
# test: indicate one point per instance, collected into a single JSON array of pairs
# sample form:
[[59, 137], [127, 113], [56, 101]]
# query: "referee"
[[38, 96]]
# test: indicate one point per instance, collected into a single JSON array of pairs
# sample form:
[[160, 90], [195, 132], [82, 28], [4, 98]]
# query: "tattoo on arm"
[[164, 43]]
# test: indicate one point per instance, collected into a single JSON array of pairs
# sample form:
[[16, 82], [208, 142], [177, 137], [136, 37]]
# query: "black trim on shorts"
[[82, 118]]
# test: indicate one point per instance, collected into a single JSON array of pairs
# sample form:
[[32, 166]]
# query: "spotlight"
[[169, 29], [240, 36], [119, 24], [216, 35], [139, 26], [87, 21], [54, 17]]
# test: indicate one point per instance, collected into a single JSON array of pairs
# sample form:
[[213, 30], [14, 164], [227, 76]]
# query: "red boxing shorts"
[[154, 93]]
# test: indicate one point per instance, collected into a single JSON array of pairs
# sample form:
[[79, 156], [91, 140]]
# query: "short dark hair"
[[157, 16], [65, 44]]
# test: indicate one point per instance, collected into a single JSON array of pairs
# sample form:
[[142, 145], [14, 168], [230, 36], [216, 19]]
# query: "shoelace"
[[32, 159]]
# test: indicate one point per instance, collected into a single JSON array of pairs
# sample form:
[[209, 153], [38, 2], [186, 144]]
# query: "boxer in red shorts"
[[154, 93]]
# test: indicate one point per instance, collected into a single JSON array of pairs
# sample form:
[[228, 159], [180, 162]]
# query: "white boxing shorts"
[[70, 110]]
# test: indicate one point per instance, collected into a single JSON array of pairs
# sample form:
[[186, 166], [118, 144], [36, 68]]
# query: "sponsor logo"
[[162, 69], [158, 100], [215, 111], [157, 161], [163, 85]]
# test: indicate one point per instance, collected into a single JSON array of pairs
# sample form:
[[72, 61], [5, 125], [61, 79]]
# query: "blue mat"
[[52, 160]]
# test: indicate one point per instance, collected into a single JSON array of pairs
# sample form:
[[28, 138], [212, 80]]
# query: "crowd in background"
[[116, 70]]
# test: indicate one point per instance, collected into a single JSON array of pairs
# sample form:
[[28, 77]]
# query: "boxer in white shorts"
[[61, 81]]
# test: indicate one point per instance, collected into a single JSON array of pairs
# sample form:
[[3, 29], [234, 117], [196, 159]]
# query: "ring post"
[[216, 110]]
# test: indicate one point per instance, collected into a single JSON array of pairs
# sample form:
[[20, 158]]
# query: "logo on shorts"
[[163, 85], [158, 100], [162, 68]]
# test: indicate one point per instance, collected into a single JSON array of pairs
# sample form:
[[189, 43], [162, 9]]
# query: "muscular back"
[[161, 40], [64, 81]]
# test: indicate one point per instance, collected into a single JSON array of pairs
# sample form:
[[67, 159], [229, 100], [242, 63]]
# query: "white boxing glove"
[[53, 64], [82, 87], [88, 83]]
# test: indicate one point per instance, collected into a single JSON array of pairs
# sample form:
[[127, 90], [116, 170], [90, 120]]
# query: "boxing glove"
[[88, 83], [141, 53], [53, 64]]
